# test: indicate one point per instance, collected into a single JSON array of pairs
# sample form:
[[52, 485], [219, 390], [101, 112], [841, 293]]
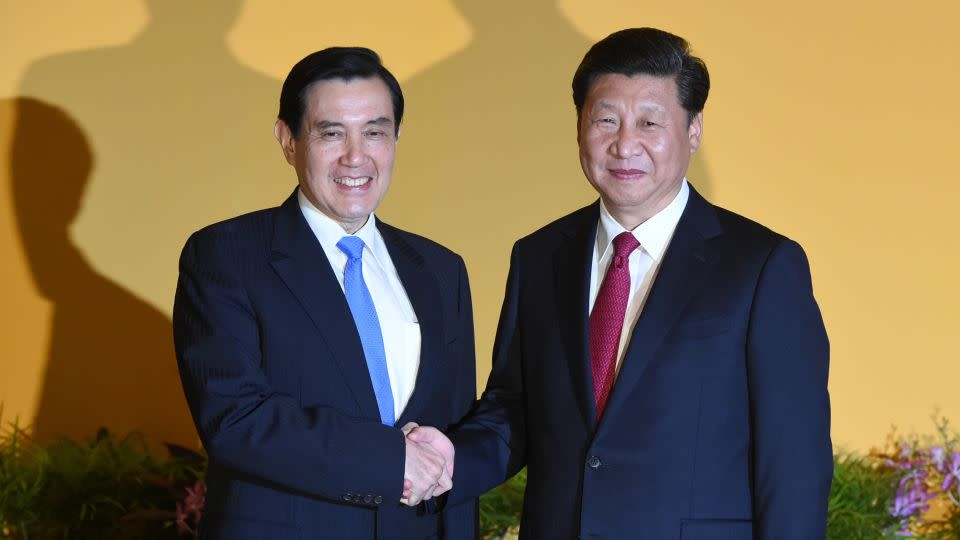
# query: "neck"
[[631, 217], [352, 226]]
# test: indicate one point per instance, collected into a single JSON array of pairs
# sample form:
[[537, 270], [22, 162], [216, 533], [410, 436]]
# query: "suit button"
[[348, 497], [378, 499], [367, 499], [594, 462]]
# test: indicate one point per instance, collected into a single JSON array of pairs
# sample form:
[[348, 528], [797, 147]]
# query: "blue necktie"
[[368, 325]]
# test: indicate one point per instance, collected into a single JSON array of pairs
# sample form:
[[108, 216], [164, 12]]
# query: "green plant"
[[860, 497], [500, 507], [113, 487], [107, 487], [926, 504]]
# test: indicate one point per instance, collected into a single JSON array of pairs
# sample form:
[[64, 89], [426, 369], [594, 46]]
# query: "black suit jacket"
[[275, 376], [718, 425]]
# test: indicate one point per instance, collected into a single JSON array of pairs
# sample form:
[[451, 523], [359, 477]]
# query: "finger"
[[443, 485], [428, 494], [422, 434], [408, 427]]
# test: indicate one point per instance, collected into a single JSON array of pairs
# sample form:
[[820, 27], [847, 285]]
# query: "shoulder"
[[237, 236], [419, 248], [744, 229], [749, 240], [575, 224]]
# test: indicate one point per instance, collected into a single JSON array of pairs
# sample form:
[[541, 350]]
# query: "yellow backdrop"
[[125, 125]]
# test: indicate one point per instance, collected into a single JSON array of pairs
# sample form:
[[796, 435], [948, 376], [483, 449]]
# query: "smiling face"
[[345, 152], [636, 142]]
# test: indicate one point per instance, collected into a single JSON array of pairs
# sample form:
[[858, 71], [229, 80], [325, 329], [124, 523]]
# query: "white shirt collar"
[[653, 234], [329, 232]]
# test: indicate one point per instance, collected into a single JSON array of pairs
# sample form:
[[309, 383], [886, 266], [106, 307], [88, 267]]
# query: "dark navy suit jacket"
[[718, 425], [275, 376]]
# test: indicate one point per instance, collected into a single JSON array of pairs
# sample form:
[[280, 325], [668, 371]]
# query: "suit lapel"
[[422, 290], [572, 265], [682, 275], [300, 262]]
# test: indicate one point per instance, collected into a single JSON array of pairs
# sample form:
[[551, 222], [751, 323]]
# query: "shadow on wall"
[[111, 360], [488, 150], [183, 135]]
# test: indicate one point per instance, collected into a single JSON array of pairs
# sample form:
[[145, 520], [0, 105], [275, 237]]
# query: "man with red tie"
[[660, 364]]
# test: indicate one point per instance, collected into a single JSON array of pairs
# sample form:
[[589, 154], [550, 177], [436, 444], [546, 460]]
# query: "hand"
[[424, 471], [438, 442]]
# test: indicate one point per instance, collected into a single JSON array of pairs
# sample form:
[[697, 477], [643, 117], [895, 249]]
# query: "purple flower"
[[905, 451], [938, 456], [951, 473], [182, 516], [190, 509], [912, 496], [195, 500]]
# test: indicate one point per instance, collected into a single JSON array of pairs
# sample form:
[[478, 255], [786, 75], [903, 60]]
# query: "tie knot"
[[625, 243], [352, 246]]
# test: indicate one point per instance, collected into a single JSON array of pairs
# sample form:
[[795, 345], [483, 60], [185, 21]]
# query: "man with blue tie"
[[309, 333], [660, 364]]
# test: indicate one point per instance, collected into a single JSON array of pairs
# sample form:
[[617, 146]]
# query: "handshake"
[[428, 469]]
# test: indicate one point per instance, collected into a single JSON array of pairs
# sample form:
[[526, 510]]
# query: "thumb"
[[408, 427], [423, 435]]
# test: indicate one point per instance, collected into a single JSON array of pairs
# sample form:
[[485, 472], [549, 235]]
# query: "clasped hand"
[[428, 470]]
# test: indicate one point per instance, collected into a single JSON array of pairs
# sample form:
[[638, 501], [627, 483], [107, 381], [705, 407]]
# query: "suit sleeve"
[[244, 423], [787, 366], [460, 519], [490, 444]]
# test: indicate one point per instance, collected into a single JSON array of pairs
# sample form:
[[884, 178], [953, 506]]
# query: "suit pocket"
[[716, 529], [698, 329]]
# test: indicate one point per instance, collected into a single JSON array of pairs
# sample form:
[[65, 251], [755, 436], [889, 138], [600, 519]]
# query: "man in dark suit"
[[305, 333], [660, 364]]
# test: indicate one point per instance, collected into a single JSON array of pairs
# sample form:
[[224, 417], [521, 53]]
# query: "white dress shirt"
[[398, 321], [654, 236]]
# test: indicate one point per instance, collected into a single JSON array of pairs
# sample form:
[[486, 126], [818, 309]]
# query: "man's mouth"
[[353, 182], [627, 173]]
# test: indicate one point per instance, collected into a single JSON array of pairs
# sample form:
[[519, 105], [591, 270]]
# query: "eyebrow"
[[382, 121]]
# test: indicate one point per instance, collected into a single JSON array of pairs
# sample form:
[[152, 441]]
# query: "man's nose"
[[352, 153], [627, 144]]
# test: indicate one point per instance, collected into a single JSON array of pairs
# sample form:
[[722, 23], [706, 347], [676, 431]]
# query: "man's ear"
[[287, 143], [695, 132]]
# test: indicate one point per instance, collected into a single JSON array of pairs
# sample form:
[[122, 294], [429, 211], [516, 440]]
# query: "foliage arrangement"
[[106, 487], [113, 487], [926, 503], [861, 494], [500, 507]]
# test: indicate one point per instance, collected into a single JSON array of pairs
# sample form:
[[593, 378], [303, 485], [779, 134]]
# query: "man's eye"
[[648, 123], [607, 121], [329, 134], [376, 133]]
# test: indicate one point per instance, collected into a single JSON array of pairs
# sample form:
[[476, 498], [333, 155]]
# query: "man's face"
[[635, 144], [346, 148]]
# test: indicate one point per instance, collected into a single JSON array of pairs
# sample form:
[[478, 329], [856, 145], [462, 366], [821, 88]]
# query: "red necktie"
[[606, 319]]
